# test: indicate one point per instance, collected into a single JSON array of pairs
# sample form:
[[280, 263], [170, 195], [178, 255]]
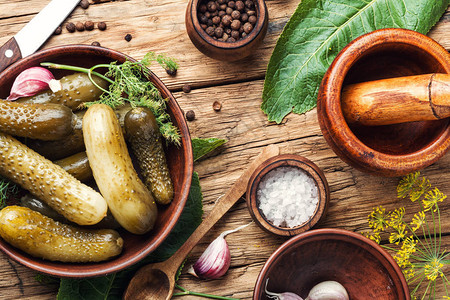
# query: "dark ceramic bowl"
[[222, 50], [287, 160], [365, 269], [180, 161], [389, 150]]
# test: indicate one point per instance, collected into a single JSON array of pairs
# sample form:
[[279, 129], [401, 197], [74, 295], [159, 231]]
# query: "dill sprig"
[[7, 190], [165, 62], [129, 83], [416, 243]]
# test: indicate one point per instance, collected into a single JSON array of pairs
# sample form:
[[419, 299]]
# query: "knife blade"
[[35, 32]]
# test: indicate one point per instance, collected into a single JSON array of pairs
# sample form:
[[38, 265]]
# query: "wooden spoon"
[[157, 281]]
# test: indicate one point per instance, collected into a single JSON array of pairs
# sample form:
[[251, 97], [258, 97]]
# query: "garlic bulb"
[[281, 296], [328, 290], [31, 81], [215, 260]]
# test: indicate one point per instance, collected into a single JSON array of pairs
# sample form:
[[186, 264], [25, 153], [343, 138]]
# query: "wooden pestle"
[[397, 100]]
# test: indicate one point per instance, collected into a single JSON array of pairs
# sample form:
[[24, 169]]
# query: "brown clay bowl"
[[365, 269], [287, 160], [180, 161], [389, 150], [222, 50]]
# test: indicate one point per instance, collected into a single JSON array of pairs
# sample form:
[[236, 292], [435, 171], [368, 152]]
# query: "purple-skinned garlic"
[[281, 296], [215, 260], [32, 81]]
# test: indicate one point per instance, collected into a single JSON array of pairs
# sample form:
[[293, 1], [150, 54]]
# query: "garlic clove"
[[31, 81], [215, 260], [281, 296], [328, 290]]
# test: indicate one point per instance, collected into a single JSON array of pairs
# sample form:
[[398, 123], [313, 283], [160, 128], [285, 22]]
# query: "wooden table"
[[159, 26]]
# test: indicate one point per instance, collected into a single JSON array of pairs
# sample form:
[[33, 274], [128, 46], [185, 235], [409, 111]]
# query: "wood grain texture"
[[159, 26]]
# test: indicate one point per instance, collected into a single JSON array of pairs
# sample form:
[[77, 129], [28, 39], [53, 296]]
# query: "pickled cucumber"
[[128, 199], [36, 121], [143, 134], [42, 237], [77, 165], [47, 181], [76, 89], [53, 150]]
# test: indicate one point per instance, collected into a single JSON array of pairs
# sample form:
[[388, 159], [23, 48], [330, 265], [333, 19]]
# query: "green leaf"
[[201, 147], [113, 286], [315, 34]]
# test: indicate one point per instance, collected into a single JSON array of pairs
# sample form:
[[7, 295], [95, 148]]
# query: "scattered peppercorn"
[[79, 26], [70, 27], [217, 106], [89, 25], [227, 20], [171, 72], [58, 30], [190, 115], [186, 88], [101, 26], [95, 44], [128, 37], [84, 4]]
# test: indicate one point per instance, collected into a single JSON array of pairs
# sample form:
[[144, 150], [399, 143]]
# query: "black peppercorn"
[[101, 26], [215, 13], [171, 72], [79, 26], [89, 25], [235, 14], [203, 8], [222, 1], [235, 25], [58, 30], [231, 4], [235, 34], [225, 36], [217, 106], [203, 19], [210, 30], [211, 6], [70, 27], [252, 20], [248, 27], [228, 30], [244, 17], [240, 5], [186, 88], [226, 20], [204, 26], [84, 4], [95, 44], [128, 37], [229, 10], [249, 3], [208, 14], [223, 7], [222, 13], [190, 115], [231, 40], [216, 20], [218, 32], [251, 12]]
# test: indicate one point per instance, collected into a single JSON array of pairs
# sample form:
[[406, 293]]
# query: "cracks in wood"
[[20, 283]]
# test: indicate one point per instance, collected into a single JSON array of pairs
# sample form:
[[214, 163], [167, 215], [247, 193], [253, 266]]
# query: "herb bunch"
[[7, 190], [129, 83], [416, 243]]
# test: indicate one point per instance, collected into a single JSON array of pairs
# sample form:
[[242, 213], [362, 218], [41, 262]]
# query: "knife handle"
[[9, 53]]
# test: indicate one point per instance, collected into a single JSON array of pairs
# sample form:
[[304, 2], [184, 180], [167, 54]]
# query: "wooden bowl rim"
[[261, 11], [287, 160], [109, 266], [330, 112], [336, 234]]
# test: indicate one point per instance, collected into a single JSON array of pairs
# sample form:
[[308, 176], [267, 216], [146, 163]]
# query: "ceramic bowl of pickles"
[[331, 264], [90, 201]]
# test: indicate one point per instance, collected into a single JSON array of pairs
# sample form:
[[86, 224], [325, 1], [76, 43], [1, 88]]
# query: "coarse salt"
[[287, 196]]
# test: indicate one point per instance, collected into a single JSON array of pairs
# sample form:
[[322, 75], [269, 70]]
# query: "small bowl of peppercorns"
[[226, 29]]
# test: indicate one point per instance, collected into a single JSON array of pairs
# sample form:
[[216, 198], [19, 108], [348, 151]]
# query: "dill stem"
[[77, 69]]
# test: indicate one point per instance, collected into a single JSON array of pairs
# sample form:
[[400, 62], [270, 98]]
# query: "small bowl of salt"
[[287, 194]]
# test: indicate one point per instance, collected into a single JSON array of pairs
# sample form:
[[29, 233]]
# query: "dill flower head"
[[432, 198], [378, 219], [433, 268], [417, 221]]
